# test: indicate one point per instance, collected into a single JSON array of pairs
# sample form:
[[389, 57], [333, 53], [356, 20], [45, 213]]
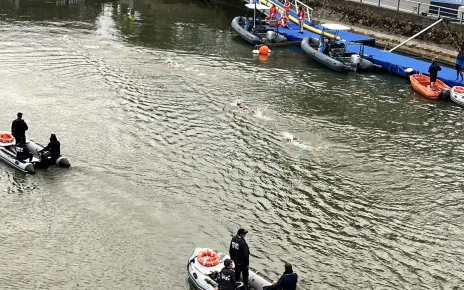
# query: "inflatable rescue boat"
[[205, 265], [12, 155]]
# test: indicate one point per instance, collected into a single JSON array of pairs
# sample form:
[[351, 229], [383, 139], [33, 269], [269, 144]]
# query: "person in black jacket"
[[54, 148], [433, 71], [287, 281], [18, 129], [227, 277], [240, 254]]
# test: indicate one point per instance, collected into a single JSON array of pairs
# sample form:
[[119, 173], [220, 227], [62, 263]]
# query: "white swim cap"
[[238, 102]]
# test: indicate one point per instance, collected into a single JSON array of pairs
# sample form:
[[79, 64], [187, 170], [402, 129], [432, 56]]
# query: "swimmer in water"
[[240, 105], [291, 139]]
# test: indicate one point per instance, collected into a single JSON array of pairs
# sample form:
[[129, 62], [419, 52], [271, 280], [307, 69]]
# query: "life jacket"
[[273, 12], [301, 15], [287, 6]]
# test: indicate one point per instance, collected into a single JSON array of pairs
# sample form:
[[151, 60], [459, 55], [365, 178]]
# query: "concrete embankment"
[[389, 27]]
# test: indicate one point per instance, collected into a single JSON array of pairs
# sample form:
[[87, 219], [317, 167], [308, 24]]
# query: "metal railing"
[[293, 6], [420, 8]]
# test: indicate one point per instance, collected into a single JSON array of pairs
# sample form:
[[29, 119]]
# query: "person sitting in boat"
[[22, 153], [227, 277], [19, 128], [54, 148], [283, 21], [287, 281], [433, 71]]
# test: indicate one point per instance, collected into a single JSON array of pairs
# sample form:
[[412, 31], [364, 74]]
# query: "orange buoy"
[[264, 50], [263, 57]]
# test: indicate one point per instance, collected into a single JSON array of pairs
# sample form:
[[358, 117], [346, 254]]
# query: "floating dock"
[[391, 62]]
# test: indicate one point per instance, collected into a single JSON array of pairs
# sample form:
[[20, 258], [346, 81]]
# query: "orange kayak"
[[421, 83]]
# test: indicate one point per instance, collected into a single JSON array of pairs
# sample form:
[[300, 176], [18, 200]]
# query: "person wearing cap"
[[18, 129], [240, 105], [287, 281], [227, 277], [54, 148], [240, 254]]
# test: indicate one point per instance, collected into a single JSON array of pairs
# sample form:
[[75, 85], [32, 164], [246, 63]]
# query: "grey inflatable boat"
[[38, 158], [259, 34], [334, 55], [205, 277]]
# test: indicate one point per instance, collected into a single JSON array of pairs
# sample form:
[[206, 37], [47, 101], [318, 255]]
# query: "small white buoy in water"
[[259, 51]]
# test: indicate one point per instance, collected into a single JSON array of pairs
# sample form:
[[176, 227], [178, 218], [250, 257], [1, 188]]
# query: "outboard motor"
[[445, 94], [355, 60], [45, 160], [271, 35]]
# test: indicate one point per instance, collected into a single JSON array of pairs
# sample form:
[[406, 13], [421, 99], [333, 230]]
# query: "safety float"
[[205, 264], [457, 95], [26, 162]]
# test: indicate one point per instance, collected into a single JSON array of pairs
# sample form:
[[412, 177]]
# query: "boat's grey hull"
[[256, 279], [310, 44], [267, 36], [248, 36], [10, 158], [34, 148]]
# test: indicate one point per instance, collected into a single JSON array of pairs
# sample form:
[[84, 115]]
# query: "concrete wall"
[[387, 20]]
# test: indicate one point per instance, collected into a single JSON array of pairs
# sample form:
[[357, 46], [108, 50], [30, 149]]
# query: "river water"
[[371, 197]]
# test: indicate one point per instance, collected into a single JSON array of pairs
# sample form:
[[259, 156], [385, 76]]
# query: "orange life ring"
[[6, 138], [208, 258], [459, 89]]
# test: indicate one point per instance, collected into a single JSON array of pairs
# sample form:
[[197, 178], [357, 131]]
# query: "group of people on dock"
[[240, 256], [283, 20]]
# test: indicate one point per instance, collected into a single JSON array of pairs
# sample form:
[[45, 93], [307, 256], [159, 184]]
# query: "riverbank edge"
[[388, 27], [387, 31]]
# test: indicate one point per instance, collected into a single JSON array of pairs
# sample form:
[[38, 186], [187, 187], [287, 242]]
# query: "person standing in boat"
[[459, 63], [240, 254], [287, 281], [19, 128], [227, 277], [301, 18], [433, 71]]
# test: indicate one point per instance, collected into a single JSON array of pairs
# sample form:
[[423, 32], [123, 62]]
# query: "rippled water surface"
[[370, 198]]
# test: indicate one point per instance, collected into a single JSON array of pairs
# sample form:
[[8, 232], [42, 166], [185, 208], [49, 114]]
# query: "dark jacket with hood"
[[239, 251], [227, 279], [287, 281], [53, 147]]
